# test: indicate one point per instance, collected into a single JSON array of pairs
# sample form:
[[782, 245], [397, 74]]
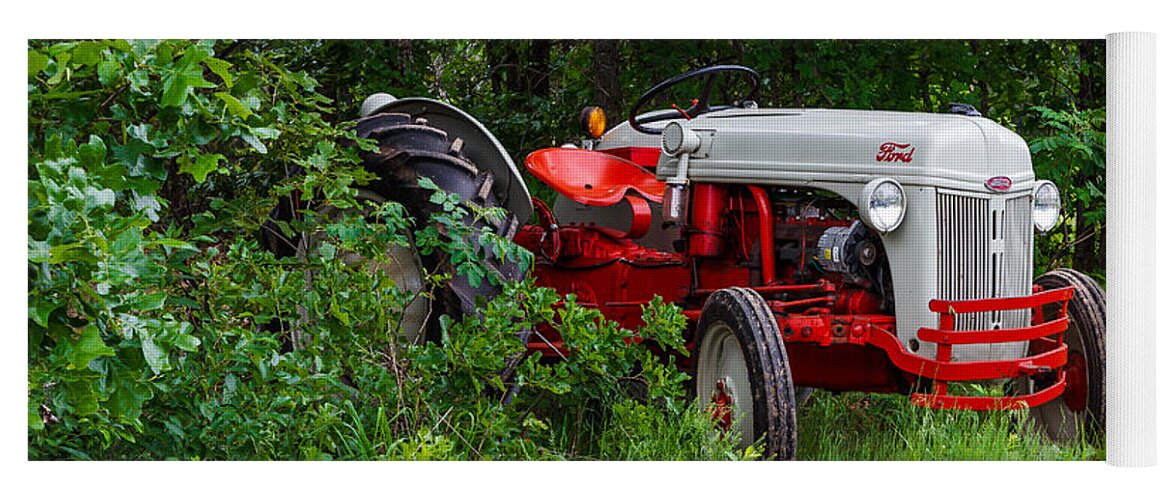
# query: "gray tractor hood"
[[818, 146]]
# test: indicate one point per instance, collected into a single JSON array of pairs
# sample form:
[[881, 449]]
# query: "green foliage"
[[158, 327], [888, 427], [114, 127], [1072, 153]]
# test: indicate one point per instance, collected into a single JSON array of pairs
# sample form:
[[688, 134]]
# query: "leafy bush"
[[160, 328], [1072, 153]]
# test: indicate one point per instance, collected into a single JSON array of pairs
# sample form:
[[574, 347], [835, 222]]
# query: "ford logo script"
[[1001, 183], [891, 152]]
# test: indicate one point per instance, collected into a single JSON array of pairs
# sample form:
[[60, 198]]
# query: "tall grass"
[[856, 426]]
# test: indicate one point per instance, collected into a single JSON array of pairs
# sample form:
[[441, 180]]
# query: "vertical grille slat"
[[985, 250]]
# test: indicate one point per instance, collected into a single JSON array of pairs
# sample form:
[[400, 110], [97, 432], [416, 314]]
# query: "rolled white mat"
[[1130, 206]]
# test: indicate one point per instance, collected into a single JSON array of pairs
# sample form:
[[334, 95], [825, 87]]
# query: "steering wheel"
[[699, 106]]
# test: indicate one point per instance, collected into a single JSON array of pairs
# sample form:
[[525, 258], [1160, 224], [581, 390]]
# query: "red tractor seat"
[[592, 177]]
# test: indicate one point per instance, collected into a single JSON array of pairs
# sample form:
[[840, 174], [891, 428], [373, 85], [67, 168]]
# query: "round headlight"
[[884, 205], [677, 139], [1046, 206]]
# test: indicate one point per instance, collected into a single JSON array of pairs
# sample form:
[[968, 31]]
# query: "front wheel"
[[1082, 408], [743, 372]]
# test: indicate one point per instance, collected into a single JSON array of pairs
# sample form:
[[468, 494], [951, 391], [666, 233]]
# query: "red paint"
[[890, 152], [844, 367], [1077, 384], [640, 220], [821, 286], [592, 177], [708, 202], [1000, 183], [985, 403], [953, 307], [722, 406], [642, 156], [764, 211]]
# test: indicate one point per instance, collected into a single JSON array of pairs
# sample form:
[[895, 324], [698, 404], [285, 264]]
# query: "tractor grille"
[[985, 250]]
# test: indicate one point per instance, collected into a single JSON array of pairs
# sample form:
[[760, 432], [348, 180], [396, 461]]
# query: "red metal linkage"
[[821, 286], [991, 403], [764, 211]]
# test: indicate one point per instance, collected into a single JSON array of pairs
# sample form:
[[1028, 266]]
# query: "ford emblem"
[[1001, 183]]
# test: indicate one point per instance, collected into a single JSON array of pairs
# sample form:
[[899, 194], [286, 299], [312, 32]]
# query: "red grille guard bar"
[[942, 370]]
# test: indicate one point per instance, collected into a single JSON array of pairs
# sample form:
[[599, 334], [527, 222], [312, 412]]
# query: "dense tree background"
[[152, 166]]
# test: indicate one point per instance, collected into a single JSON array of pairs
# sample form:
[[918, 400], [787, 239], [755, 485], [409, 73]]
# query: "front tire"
[[743, 370], [1082, 408]]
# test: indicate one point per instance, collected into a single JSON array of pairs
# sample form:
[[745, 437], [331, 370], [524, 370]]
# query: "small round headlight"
[[677, 139], [884, 205], [1046, 206]]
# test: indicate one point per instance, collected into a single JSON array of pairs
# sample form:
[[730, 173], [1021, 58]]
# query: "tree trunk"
[[607, 86], [537, 70]]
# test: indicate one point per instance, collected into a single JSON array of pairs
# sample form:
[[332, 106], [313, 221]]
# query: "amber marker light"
[[593, 121]]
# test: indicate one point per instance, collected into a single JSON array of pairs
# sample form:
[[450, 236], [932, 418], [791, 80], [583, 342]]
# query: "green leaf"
[[89, 347], [327, 251], [147, 205], [150, 302], [138, 79], [155, 355], [175, 90], [93, 153], [98, 198], [108, 71], [40, 308], [179, 84], [71, 252], [234, 105], [37, 62], [35, 422], [88, 53], [194, 55], [127, 241], [125, 403], [220, 68], [39, 251], [339, 313], [255, 143], [203, 165], [82, 397], [266, 132], [186, 342], [173, 243]]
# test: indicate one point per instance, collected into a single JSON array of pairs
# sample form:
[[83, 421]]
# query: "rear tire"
[[411, 149], [1083, 406], [403, 265], [742, 367]]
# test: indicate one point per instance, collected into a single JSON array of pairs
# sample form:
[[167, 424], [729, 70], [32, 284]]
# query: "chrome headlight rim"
[[1040, 222], [878, 222]]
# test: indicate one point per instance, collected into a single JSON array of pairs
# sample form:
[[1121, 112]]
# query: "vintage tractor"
[[809, 248]]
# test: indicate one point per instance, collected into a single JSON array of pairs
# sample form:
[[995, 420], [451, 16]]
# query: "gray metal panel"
[[985, 251], [785, 147]]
